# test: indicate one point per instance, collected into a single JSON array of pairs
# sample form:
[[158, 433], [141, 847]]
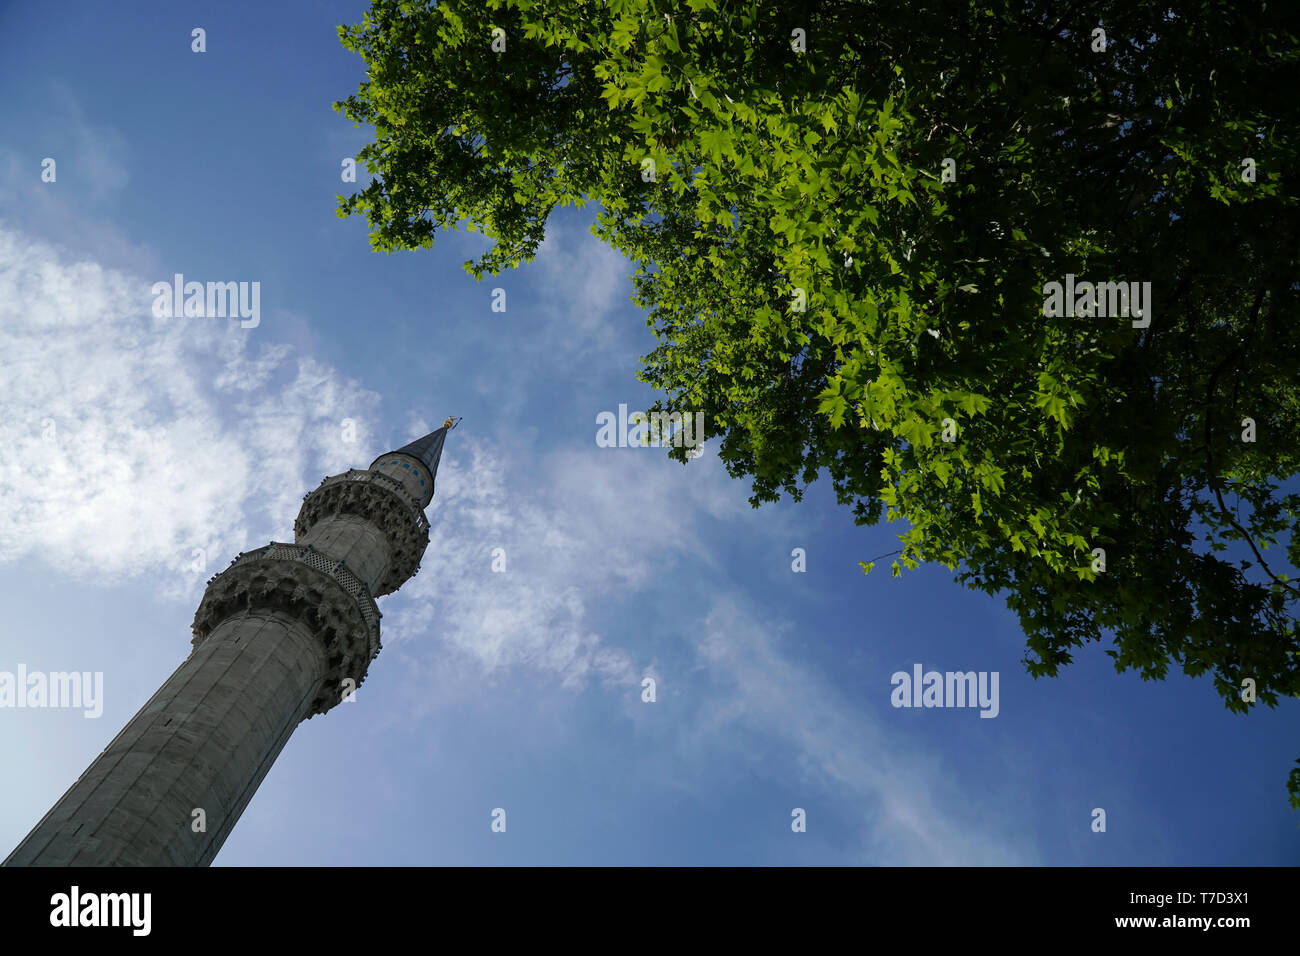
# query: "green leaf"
[[778, 171]]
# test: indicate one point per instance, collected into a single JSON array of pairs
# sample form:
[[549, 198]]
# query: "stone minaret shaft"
[[283, 634]]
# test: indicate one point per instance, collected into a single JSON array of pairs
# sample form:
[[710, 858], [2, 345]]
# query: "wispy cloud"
[[583, 282], [92, 162], [911, 814], [127, 441], [97, 152]]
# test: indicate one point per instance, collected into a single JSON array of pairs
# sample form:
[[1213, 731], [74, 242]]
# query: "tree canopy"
[[844, 217]]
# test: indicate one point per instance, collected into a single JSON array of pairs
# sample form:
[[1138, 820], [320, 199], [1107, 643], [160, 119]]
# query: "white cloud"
[[534, 613], [911, 813], [92, 166], [613, 525], [583, 281], [577, 528], [176, 434], [99, 153], [127, 441], [245, 374]]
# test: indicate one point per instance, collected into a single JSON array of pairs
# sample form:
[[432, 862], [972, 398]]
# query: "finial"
[[451, 422]]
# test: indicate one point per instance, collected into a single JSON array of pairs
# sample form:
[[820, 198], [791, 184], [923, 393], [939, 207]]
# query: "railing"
[[334, 567], [361, 475]]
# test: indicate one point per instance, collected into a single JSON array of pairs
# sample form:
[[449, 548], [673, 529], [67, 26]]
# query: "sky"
[[140, 454]]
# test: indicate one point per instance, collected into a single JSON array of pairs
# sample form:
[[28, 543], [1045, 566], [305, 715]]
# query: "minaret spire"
[[286, 632], [426, 452]]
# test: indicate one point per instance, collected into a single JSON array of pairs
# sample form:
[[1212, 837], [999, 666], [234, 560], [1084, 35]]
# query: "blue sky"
[[519, 690]]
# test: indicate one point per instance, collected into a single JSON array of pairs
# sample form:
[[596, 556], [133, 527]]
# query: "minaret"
[[283, 634]]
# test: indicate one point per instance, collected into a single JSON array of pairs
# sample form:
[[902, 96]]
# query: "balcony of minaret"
[[371, 520], [283, 634]]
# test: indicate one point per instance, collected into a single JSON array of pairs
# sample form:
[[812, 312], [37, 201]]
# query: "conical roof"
[[428, 450]]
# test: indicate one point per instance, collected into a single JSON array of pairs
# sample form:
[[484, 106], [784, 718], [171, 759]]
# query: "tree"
[[845, 218]]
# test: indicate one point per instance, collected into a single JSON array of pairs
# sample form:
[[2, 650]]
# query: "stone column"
[[204, 741], [286, 632]]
